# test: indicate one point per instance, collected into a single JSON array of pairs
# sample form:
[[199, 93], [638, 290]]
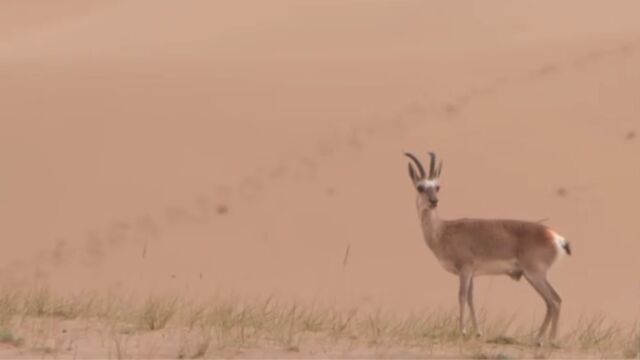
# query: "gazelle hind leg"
[[539, 282], [554, 320]]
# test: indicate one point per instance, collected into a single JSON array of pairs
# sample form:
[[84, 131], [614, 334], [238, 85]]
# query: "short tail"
[[567, 247], [561, 243]]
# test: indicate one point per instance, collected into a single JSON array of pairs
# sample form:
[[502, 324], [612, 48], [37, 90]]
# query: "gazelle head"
[[427, 186]]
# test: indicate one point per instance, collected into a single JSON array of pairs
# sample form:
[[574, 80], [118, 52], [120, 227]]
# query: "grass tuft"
[[7, 337], [155, 313], [595, 332], [37, 303]]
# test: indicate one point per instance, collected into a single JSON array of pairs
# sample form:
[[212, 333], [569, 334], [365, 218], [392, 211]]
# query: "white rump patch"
[[560, 244]]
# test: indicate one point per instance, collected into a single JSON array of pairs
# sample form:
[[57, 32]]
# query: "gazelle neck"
[[429, 220]]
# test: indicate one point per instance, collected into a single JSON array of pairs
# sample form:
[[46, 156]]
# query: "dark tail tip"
[[567, 248]]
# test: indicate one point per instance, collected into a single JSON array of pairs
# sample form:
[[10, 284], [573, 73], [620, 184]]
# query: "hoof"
[[550, 345], [539, 343], [473, 334]]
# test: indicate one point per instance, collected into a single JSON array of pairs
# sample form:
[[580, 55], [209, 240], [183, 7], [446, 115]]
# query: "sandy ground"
[[243, 147]]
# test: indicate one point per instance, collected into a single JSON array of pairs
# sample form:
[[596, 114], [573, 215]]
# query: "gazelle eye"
[[437, 187]]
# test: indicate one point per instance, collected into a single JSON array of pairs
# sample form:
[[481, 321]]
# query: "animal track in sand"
[[545, 70], [200, 213], [59, 253], [117, 232], [94, 247], [304, 167], [595, 56]]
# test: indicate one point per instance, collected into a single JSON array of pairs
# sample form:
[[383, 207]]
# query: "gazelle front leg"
[[466, 277], [472, 309]]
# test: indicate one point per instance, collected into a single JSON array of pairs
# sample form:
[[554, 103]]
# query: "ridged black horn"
[[432, 166], [417, 162], [439, 169]]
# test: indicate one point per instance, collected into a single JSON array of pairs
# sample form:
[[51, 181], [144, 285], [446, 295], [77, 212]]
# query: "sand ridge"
[[246, 156]]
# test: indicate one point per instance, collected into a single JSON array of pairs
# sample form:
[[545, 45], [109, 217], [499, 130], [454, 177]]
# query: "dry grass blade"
[[228, 327], [156, 312]]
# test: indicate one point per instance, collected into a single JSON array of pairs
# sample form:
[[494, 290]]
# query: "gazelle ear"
[[439, 169], [412, 174]]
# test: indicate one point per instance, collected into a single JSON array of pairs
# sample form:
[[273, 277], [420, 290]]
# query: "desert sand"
[[204, 148]]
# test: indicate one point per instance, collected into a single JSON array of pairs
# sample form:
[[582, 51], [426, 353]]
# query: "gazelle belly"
[[496, 267], [449, 266]]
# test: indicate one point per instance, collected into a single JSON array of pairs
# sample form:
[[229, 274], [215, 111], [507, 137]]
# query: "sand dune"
[[21, 18], [219, 147]]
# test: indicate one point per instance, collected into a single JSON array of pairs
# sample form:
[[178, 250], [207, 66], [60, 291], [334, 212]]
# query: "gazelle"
[[470, 247]]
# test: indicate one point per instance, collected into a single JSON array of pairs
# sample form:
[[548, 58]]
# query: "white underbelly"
[[449, 266], [495, 267]]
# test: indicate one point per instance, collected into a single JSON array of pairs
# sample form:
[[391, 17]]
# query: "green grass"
[[7, 337]]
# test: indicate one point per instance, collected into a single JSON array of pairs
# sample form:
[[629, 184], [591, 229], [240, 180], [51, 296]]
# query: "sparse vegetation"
[[632, 348], [42, 320], [156, 312], [7, 337]]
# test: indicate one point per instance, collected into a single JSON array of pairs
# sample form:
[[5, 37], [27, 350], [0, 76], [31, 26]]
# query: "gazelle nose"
[[433, 202]]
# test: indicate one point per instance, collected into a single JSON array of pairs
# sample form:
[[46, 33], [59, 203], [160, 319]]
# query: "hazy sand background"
[[242, 147]]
